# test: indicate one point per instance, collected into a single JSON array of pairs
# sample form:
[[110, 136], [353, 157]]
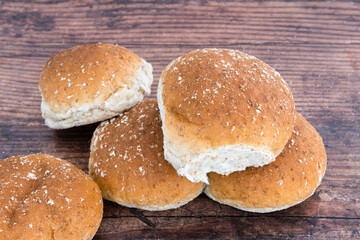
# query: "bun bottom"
[[237, 204], [154, 207]]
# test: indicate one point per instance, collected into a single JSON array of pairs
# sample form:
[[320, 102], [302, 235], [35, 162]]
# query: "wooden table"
[[314, 45]]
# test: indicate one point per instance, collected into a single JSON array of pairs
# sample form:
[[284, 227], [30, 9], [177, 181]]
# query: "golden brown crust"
[[127, 162], [292, 178], [225, 97], [86, 74], [42, 197]]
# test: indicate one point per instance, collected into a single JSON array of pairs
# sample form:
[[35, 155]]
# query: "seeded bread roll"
[[292, 178], [127, 162], [90, 83], [42, 197], [223, 110]]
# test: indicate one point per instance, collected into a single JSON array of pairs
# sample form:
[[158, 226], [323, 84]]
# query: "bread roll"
[[222, 111], [291, 179], [127, 162], [90, 83], [42, 197]]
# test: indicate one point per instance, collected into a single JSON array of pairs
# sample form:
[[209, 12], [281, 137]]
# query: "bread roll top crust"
[[87, 75], [43, 197], [225, 97], [127, 161]]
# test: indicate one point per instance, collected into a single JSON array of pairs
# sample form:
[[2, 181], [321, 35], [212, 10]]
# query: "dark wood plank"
[[229, 228], [315, 45]]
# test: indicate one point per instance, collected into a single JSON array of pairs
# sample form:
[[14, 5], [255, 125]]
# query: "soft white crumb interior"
[[222, 160]]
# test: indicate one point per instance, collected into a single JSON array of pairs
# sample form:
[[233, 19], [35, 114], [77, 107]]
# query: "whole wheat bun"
[[223, 110], [127, 162], [42, 197], [292, 178], [90, 83]]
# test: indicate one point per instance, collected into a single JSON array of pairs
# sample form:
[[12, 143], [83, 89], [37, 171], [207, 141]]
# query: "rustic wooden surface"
[[314, 45]]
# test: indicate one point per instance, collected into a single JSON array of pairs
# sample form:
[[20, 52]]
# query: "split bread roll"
[[222, 111], [127, 162], [292, 178], [42, 197], [90, 83]]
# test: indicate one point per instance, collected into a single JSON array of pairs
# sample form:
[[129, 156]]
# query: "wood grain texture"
[[315, 45]]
